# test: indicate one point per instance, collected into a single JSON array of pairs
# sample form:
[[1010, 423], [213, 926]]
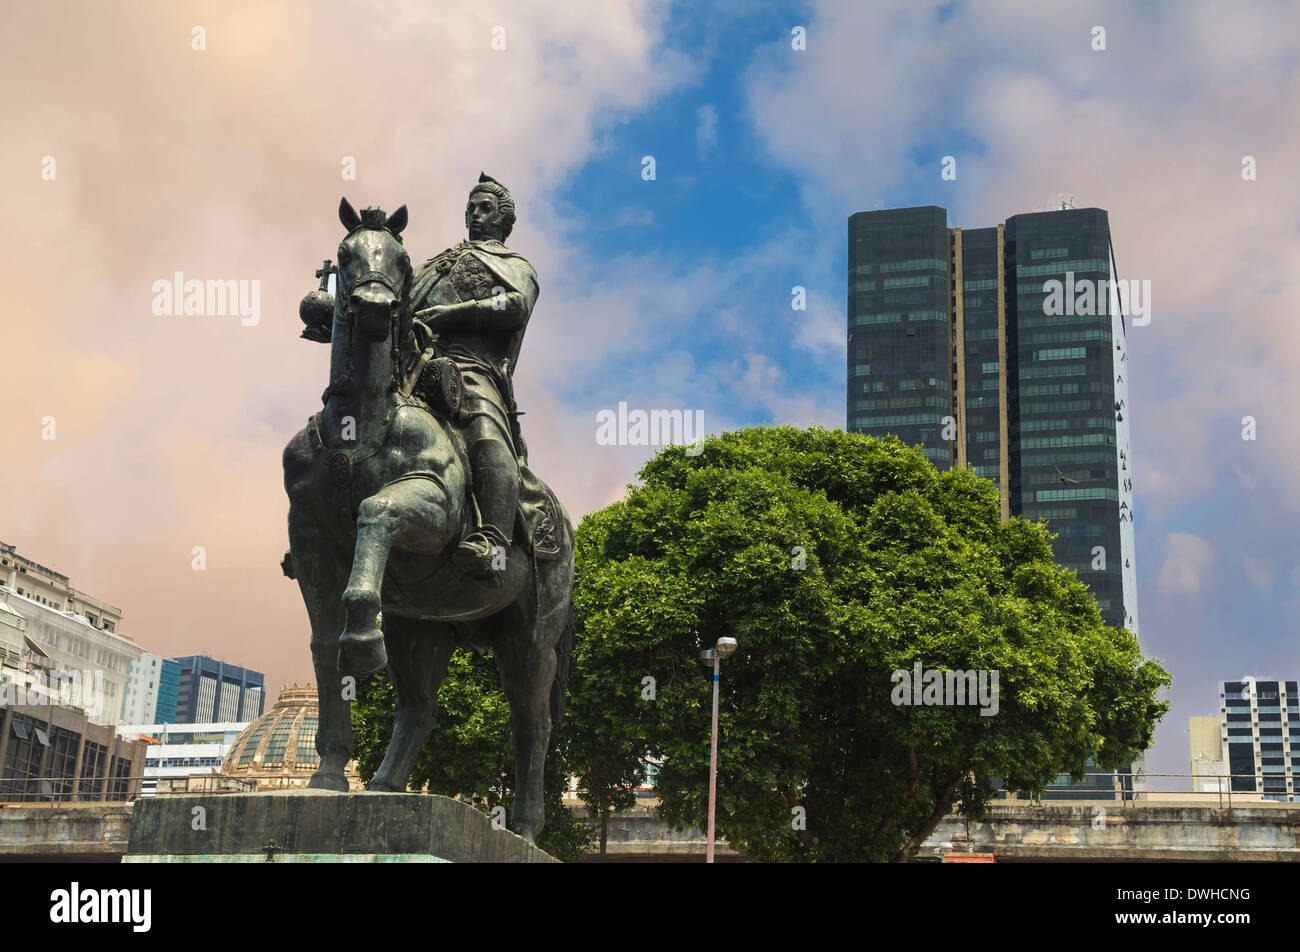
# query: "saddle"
[[537, 523]]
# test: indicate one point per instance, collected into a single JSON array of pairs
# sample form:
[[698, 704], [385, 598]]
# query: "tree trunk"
[[941, 807], [604, 828]]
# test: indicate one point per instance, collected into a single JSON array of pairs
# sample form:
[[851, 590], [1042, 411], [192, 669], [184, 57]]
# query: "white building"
[[76, 648], [44, 586], [77, 634], [140, 696], [181, 750]]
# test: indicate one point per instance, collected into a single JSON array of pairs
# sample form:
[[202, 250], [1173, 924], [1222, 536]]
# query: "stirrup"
[[476, 554]]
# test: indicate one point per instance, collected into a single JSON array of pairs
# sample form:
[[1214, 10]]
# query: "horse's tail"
[[563, 655]]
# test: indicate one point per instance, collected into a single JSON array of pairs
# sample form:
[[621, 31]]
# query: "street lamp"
[[724, 649]]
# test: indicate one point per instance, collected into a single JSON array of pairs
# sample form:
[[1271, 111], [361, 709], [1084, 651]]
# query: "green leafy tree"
[[836, 560], [612, 694]]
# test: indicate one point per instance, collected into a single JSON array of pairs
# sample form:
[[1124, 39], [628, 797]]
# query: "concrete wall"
[[1064, 833], [84, 831], [1106, 830]]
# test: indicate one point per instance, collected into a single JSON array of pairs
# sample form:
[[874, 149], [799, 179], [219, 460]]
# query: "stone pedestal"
[[320, 826]]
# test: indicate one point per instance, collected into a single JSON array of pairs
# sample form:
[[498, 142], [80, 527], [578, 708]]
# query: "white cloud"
[[706, 130], [1188, 561], [1259, 572]]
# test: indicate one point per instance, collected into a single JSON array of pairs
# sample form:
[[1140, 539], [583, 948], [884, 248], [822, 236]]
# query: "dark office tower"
[[900, 339], [1066, 392], [1000, 349], [213, 691]]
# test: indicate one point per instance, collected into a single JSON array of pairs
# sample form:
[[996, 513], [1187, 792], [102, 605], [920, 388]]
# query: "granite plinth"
[[319, 823]]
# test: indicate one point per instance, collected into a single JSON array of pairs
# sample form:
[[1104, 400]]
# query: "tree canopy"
[[836, 560]]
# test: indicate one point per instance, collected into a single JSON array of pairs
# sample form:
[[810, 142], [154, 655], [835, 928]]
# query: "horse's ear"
[[348, 215], [397, 221]]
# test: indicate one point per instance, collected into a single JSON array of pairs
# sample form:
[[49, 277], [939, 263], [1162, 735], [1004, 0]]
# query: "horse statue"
[[380, 494]]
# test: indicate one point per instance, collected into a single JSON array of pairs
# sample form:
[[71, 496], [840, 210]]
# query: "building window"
[[92, 765], [120, 786], [24, 757], [250, 746], [276, 746], [306, 751]]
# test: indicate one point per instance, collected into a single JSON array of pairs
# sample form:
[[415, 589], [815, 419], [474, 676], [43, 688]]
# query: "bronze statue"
[[410, 492]]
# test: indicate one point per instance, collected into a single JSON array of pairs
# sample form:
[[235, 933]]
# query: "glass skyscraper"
[[1004, 350], [169, 689]]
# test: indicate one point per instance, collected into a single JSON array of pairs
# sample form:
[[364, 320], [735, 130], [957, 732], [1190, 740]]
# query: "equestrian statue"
[[410, 493]]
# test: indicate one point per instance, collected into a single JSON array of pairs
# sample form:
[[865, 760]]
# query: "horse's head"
[[374, 270]]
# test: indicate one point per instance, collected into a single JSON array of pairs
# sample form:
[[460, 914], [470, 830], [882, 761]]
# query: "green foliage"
[[896, 564]]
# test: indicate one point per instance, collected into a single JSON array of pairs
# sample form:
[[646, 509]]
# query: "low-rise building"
[[176, 752], [1209, 763], [52, 751], [278, 750], [44, 586], [77, 649]]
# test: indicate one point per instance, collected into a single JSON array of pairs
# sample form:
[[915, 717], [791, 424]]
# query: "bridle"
[[379, 277], [344, 297]]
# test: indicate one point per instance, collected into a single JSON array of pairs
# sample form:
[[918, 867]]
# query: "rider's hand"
[[431, 314]]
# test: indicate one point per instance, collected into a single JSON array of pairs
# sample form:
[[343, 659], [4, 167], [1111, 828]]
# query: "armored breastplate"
[[457, 276], [471, 279]]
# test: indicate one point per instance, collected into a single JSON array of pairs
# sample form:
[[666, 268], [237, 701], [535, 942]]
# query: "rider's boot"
[[482, 553]]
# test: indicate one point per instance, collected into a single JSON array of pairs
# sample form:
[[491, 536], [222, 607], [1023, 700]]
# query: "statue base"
[[317, 826]]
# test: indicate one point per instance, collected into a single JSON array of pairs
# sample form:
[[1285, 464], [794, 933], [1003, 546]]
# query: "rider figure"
[[477, 297]]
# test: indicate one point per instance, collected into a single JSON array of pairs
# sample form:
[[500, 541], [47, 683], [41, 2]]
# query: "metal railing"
[[1135, 789], [70, 789]]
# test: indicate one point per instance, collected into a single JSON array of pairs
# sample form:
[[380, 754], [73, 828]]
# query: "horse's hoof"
[[383, 786], [362, 655], [520, 830], [321, 780]]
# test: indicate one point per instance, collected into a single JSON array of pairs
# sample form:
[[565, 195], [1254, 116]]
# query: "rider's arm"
[[501, 312]]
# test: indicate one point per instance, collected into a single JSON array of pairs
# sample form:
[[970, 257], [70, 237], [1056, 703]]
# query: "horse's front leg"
[[409, 515]]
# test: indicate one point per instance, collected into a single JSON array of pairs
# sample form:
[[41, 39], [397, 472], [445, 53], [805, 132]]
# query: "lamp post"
[[724, 649]]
